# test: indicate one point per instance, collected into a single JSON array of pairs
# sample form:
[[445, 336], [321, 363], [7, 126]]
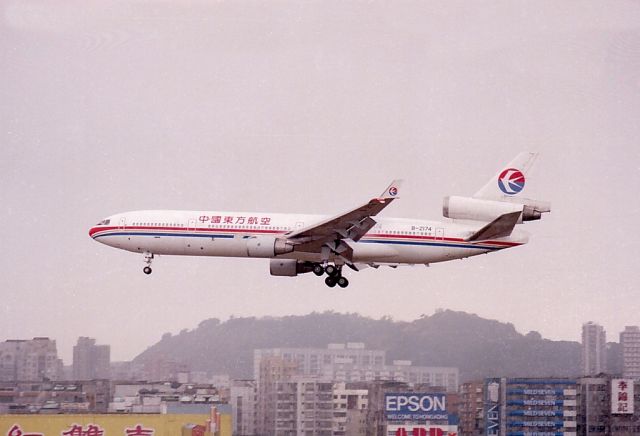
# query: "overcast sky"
[[313, 107]]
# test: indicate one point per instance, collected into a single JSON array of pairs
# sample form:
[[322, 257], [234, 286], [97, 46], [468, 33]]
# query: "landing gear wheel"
[[318, 270], [331, 270], [148, 258], [330, 282], [343, 282]]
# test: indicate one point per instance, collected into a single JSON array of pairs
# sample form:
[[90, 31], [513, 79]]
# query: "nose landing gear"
[[148, 258]]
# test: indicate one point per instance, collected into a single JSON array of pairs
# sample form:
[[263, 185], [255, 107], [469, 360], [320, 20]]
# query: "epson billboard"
[[415, 406]]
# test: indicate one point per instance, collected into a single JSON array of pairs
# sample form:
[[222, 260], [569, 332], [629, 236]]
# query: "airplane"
[[298, 244]]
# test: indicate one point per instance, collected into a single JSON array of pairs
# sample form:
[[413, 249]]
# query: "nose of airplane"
[[94, 231]]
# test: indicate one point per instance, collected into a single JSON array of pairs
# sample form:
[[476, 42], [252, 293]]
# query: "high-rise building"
[[29, 360], [91, 361], [243, 400], [530, 406], [604, 409], [594, 346], [290, 403], [312, 360], [630, 342], [349, 410], [352, 363], [277, 405], [470, 409], [382, 420], [325, 391], [314, 398], [376, 420]]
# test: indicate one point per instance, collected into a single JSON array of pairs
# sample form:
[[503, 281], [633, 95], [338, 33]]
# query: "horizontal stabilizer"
[[498, 228]]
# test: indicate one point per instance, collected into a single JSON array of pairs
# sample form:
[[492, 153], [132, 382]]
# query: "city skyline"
[[346, 387], [68, 362], [312, 107]]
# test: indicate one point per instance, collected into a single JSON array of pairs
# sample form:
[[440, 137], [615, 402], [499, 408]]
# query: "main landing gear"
[[148, 258], [334, 273]]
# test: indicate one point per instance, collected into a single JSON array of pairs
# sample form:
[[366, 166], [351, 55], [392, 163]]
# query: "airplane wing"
[[351, 225]]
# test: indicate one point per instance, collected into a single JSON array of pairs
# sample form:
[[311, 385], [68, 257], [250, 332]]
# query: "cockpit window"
[[103, 223]]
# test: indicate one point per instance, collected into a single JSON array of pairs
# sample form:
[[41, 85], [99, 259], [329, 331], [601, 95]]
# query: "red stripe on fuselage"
[[95, 230], [434, 238]]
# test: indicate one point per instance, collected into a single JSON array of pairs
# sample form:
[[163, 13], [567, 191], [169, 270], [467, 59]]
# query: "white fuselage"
[[204, 233]]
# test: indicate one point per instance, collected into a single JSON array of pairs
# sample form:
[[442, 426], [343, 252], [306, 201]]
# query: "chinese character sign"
[[139, 430], [17, 431], [422, 430], [97, 425], [232, 219], [622, 396], [78, 430]]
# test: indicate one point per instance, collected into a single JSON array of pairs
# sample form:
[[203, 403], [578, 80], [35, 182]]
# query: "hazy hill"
[[479, 347]]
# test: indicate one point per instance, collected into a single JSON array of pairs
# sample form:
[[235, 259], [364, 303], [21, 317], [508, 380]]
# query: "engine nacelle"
[[466, 208], [289, 267], [267, 246]]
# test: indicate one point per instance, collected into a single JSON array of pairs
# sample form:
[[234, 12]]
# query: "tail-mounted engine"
[[466, 208]]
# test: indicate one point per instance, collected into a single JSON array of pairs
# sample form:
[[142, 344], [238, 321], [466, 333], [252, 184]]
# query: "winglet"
[[392, 191]]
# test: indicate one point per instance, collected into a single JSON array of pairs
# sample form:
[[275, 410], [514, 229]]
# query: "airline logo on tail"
[[393, 191], [511, 181]]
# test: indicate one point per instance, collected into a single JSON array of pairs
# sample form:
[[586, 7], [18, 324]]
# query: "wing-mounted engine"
[[476, 209], [289, 267], [267, 246]]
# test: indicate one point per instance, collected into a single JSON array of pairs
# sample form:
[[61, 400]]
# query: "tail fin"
[[500, 196], [510, 181]]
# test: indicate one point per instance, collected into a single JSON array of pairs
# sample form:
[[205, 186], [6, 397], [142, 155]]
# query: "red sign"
[[78, 430], [425, 431], [622, 396], [17, 431], [139, 431]]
